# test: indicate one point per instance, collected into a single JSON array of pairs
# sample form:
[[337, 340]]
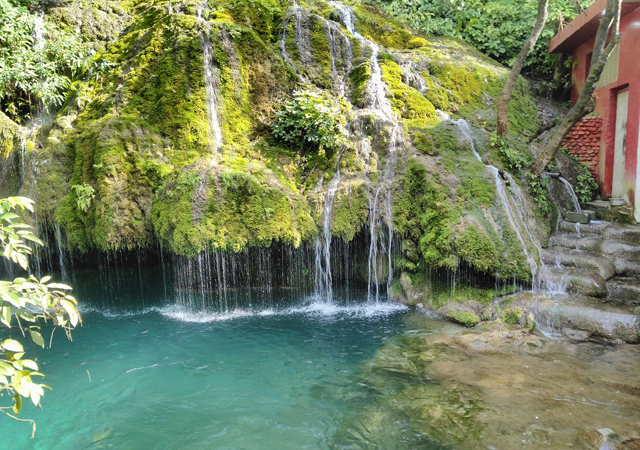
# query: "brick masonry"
[[584, 141]]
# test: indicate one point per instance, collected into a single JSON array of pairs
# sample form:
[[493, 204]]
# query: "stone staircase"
[[590, 282]]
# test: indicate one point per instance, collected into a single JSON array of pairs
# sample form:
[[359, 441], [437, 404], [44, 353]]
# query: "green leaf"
[[36, 337], [5, 315], [30, 364], [17, 406], [6, 369], [71, 311], [11, 346]]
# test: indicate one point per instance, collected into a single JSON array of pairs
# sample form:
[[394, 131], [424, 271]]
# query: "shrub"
[[310, 121]]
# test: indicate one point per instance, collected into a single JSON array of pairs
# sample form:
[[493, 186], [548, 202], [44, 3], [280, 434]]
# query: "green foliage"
[[511, 315], [513, 160], [517, 162], [586, 186], [538, 187], [25, 303], [84, 194], [37, 60], [498, 28], [466, 318], [309, 120]]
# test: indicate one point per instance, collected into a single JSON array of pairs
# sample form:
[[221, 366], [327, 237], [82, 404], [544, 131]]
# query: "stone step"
[[564, 280], [572, 241], [625, 257], [624, 290], [581, 318], [579, 259], [594, 228], [599, 206], [624, 233], [577, 217]]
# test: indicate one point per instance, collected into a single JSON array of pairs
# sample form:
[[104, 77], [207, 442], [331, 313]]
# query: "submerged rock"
[[499, 386]]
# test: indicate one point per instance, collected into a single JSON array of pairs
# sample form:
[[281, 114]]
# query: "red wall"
[[584, 141], [628, 77]]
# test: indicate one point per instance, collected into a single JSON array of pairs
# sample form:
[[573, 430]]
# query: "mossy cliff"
[[132, 159]]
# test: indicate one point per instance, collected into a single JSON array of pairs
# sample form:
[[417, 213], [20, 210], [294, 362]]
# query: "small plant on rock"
[[310, 121], [84, 194]]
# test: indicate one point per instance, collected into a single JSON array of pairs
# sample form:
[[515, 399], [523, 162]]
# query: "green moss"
[[466, 318], [424, 214], [384, 30], [511, 315], [523, 112], [406, 101], [360, 76], [321, 52], [349, 211], [436, 94], [463, 83], [476, 247], [231, 211], [9, 132]]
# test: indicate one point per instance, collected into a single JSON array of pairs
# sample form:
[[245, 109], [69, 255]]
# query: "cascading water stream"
[[323, 283], [572, 194], [507, 199], [212, 110]]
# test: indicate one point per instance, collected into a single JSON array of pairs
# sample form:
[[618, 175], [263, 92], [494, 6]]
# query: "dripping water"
[[212, 110]]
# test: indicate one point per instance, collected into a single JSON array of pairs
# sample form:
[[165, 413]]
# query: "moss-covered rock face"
[[138, 132]]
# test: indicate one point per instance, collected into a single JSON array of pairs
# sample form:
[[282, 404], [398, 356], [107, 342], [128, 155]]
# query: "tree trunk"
[[505, 96], [584, 105]]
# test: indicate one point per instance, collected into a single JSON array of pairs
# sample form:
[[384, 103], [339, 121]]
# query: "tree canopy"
[[498, 28], [38, 60]]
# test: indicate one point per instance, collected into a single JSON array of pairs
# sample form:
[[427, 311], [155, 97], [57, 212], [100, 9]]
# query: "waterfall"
[[333, 33], [323, 280], [572, 193], [410, 78], [506, 197], [209, 79], [61, 252], [376, 99]]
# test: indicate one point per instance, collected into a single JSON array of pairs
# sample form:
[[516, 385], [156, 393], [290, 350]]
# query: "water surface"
[[172, 377]]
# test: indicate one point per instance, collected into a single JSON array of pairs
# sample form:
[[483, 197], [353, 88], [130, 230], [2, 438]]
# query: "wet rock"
[[624, 290], [626, 257], [565, 240], [487, 313], [590, 229], [607, 439], [411, 294], [498, 386], [580, 259], [599, 206], [498, 336], [593, 320], [624, 233], [577, 217], [567, 280], [592, 214]]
